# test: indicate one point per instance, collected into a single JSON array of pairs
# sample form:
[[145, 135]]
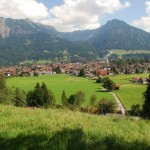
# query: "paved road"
[[122, 109], [107, 55]]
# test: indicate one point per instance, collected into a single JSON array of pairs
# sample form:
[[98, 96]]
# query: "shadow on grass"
[[69, 140], [101, 90]]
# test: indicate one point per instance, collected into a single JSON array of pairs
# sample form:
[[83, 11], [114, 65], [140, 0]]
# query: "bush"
[[76, 99], [135, 110], [92, 99], [20, 98], [105, 106], [99, 80]]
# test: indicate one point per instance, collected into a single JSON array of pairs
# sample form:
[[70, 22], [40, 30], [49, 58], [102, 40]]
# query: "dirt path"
[[122, 109]]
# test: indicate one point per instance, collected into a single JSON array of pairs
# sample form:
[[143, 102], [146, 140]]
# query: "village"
[[91, 69]]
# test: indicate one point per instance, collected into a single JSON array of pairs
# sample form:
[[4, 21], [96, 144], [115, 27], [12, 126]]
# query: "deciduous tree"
[[109, 84], [82, 73], [105, 106], [79, 98], [20, 97]]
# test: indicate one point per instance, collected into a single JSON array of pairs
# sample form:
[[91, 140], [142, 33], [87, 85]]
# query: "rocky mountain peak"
[[4, 29]]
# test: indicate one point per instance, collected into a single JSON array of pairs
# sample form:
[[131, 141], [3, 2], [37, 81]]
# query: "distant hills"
[[23, 39]]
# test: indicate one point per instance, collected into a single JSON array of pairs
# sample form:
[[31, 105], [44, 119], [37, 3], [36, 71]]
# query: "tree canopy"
[[146, 106], [40, 96], [108, 84]]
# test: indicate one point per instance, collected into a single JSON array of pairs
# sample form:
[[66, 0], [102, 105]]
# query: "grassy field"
[[125, 78], [37, 62], [58, 83], [129, 93], [124, 52], [24, 128]]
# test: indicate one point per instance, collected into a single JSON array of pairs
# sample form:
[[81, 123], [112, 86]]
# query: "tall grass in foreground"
[[54, 129]]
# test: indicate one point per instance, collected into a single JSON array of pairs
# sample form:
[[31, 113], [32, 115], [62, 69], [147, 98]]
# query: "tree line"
[[42, 97]]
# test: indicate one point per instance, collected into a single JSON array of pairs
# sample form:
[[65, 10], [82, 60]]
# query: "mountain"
[[23, 39], [117, 34], [9, 27]]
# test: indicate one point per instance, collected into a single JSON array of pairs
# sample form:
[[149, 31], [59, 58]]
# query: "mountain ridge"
[[116, 34], [25, 40]]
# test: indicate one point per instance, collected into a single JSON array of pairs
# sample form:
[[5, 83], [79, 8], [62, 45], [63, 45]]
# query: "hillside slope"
[[116, 34], [27, 128], [25, 40]]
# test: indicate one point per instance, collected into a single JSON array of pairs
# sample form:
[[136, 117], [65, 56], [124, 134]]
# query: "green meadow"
[[129, 93], [125, 78], [57, 129], [124, 52], [58, 83]]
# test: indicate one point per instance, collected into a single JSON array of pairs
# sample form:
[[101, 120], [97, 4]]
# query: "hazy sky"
[[70, 15]]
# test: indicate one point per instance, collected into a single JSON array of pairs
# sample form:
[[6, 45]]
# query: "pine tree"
[[146, 106], [45, 95], [71, 99], [52, 99], [38, 95], [64, 98], [30, 99]]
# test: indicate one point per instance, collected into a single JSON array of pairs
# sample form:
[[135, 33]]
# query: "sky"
[[71, 15]]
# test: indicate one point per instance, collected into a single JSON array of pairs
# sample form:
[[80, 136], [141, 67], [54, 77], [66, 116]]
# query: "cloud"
[[82, 14], [20, 9], [71, 15], [144, 22]]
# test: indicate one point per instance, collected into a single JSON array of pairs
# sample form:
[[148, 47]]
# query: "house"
[[102, 72], [143, 80], [117, 86], [7, 74], [135, 79], [140, 80]]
